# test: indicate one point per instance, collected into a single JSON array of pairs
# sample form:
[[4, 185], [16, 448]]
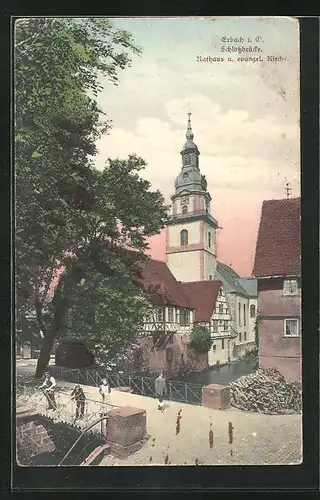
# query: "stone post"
[[216, 396]]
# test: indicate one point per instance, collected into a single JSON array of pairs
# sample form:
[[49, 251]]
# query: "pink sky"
[[245, 118], [235, 242]]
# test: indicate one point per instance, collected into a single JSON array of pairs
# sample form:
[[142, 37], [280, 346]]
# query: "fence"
[[182, 392], [66, 407]]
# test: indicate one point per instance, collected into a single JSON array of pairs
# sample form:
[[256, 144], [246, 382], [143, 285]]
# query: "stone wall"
[[174, 359], [40, 441]]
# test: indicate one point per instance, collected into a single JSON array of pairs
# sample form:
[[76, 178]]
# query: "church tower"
[[191, 230]]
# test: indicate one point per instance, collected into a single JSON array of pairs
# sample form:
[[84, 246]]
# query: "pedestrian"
[[105, 392], [160, 388], [48, 388], [78, 395]]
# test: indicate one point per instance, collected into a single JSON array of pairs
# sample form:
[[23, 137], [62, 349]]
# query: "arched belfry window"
[[209, 239], [184, 237], [184, 209]]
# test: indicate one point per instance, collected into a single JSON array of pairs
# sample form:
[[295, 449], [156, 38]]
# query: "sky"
[[245, 117]]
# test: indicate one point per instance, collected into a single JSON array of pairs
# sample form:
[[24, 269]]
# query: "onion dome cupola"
[[190, 177]]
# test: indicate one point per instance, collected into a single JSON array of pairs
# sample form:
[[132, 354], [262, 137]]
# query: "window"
[[214, 347], [220, 292], [244, 315], [245, 336], [225, 325], [239, 314], [209, 239], [185, 175], [290, 287], [222, 343], [240, 337], [184, 317], [170, 314], [184, 209], [184, 237], [160, 314], [215, 325], [220, 308], [291, 327], [252, 311], [210, 276]]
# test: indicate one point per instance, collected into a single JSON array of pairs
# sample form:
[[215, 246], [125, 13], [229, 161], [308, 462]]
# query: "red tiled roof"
[[279, 239], [161, 286], [202, 296]]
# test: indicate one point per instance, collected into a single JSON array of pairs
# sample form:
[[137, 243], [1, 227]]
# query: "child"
[[160, 403], [105, 391]]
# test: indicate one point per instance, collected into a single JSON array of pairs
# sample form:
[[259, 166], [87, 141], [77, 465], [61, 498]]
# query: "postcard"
[[158, 270]]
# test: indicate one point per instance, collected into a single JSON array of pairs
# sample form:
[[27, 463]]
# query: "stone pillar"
[[26, 351], [216, 397], [126, 430]]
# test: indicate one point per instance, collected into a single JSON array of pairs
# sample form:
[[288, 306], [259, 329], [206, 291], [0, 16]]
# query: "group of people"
[[49, 385]]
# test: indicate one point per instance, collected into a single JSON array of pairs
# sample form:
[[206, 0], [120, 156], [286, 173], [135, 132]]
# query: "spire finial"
[[189, 134]]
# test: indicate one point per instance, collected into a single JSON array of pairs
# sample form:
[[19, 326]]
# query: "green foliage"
[[200, 339], [66, 211], [56, 67]]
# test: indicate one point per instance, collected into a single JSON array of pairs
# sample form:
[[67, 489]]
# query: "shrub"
[[200, 339]]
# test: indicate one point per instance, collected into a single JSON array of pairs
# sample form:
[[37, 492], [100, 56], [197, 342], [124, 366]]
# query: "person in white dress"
[[105, 393]]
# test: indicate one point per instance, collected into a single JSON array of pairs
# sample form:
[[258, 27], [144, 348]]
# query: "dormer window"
[[290, 287]]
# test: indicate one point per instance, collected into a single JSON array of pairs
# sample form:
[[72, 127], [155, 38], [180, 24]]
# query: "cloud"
[[237, 151], [245, 117]]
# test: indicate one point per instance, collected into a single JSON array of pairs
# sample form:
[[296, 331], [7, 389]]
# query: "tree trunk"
[[44, 356], [59, 304]]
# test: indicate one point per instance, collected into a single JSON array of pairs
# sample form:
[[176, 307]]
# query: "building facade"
[[191, 229], [176, 308], [277, 267], [241, 295], [191, 255]]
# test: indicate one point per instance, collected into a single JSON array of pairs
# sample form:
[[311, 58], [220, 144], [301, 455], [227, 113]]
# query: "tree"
[[200, 339], [108, 302], [63, 215]]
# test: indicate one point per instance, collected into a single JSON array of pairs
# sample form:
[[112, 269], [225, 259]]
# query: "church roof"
[[202, 296], [190, 136], [226, 273], [161, 286], [278, 246], [250, 285]]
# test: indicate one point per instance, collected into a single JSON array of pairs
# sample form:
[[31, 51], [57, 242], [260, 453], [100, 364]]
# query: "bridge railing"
[[66, 410], [183, 392]]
